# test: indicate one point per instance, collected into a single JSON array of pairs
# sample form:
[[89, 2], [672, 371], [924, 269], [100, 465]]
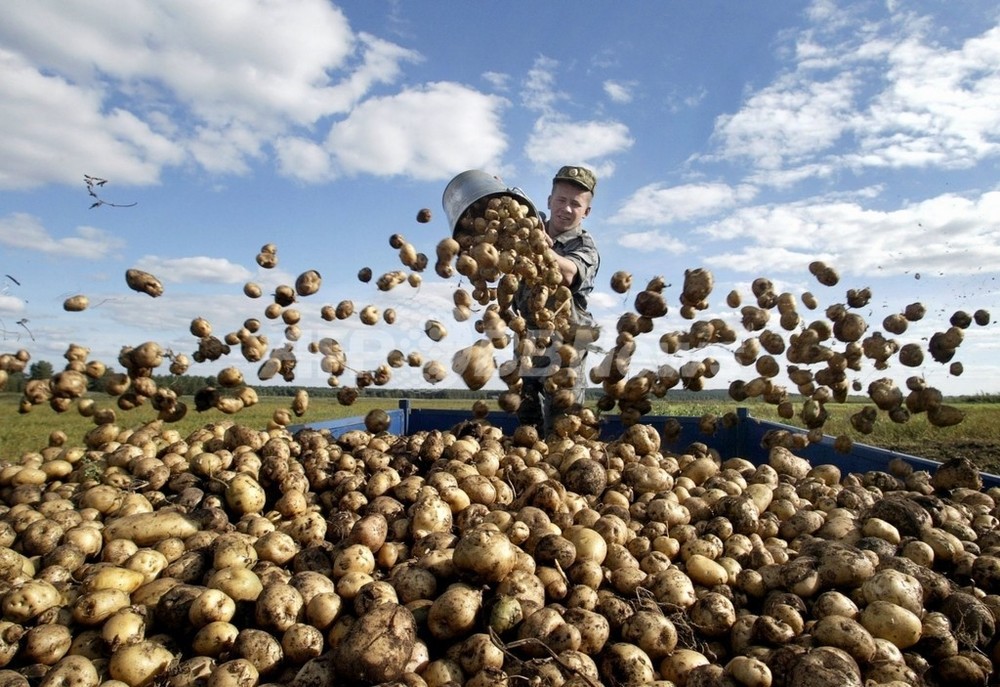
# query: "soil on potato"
[[984, 454]]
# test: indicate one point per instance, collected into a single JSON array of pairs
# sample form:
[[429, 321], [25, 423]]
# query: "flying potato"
[[76, 303], [143, 282]]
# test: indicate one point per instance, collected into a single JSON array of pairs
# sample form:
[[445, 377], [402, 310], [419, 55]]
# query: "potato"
[[276, 547], [145, 529], [475, 364], [278, 607], [308, 283], [95, 607], [713, 614], [672, 586], [485, 554], [896, 587], [46, 644], [626, 664], [749, 671], [886, 620], [260, 648], [76, 303], [238, 672], [214, 638], [621, 281], [72, 671], [377, 646], [233, 549], [847, 634], [139, 664], [125, 626], [705, 571], [652, 632], [301, 643], [240, 584], [30, 600], [453, 614], [188, 673], [113, 577], [589, 545], [212, 605], [143, 282], [244, 494]]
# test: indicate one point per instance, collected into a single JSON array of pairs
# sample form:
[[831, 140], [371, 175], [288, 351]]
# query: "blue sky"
[[747, 138]]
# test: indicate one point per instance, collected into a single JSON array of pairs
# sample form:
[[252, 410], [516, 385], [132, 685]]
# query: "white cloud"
[[618, 92], [539, 92], [939, 106], [658, 204], [600, 300], [137, 85], [55, 130], [554, 140], [789, 120], [498, 80], [948, 234], [652, 241], [303, 159], [26, 232], [199, 269], [862, 95], [10, 305], [427, 133]]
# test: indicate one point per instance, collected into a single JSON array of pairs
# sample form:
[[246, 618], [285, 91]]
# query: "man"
[[575, 254]]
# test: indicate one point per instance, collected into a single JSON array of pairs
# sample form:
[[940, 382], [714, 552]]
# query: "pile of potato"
[[237, 557]]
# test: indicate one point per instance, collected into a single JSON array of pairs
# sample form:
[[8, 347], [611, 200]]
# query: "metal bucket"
[[472, 186]]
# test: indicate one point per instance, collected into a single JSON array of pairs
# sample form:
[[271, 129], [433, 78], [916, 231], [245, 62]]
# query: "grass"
[[29, 432], [981, 423]]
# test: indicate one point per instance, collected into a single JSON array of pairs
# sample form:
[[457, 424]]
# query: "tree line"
[[188, 385]]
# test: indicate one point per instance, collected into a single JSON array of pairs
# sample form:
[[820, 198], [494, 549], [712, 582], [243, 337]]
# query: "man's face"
[[568, 206]]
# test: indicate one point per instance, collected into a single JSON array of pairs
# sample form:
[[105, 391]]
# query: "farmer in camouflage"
[[576, 256]]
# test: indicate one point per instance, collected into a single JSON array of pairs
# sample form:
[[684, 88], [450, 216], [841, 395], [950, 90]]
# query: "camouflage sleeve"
[[583, 252]]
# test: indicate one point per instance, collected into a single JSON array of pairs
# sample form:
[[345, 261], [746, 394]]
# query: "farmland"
[[977, 437]]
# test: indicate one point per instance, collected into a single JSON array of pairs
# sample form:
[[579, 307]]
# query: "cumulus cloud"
[[428, 133], [145, 85], [948, 234], [47, 118], [600, 300], [618, 91], [652, 241], [498, 80], [789, 120], [11, 305], [862, 95], [200, 269], [659, 204], [26, 232], [554, 140], [303, 159], [539, 91], [556, 137], [938, 106]]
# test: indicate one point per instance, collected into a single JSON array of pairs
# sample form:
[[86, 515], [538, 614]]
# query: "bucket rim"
[[500, 188]]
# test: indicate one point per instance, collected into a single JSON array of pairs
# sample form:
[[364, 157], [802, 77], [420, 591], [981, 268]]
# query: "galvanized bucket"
[[472, 186]]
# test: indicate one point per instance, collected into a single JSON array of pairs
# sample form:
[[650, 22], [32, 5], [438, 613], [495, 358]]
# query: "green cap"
[[581, 176]]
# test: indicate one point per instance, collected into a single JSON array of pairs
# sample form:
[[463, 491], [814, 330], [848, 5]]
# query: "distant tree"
[[40, 370]]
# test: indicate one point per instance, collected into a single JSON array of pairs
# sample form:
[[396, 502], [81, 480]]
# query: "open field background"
[[977, 437]]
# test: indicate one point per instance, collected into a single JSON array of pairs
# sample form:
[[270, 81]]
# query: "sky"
[[746, 138]]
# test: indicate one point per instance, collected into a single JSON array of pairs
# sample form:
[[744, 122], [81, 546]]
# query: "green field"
[[977, 437]]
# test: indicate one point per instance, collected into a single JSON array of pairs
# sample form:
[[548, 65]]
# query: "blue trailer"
[[740, 439]]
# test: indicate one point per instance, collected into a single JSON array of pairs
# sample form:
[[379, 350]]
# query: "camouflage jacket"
[[577, 245]]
